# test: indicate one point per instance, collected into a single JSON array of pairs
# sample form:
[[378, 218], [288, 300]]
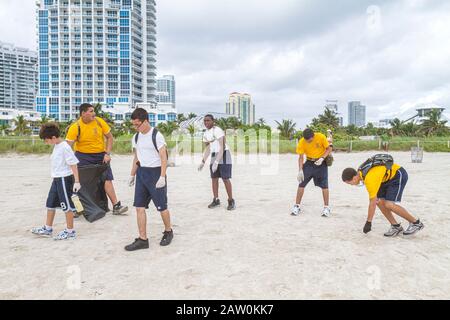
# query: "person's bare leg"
[[386, 212], [50, 217], [300, 193], [142, 223], [69, 219], [229, 188], [165, 215], [215, 187], [109, 189], [400, 211], [326, 197]]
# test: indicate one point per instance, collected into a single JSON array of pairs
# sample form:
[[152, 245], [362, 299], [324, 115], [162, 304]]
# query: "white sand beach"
[[258, 251]]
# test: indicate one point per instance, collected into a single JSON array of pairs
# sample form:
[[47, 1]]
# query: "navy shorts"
[[145, 189], [392, 190], [225, 167], [318, 173], [59, 196], [87, 159]]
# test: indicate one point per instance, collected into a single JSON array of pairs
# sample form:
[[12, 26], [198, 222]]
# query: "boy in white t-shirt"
[[64, 172], [221, 166], [148, 174]]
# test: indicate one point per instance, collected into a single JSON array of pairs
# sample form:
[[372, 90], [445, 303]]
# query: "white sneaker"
[[326, 212], [296, 210]]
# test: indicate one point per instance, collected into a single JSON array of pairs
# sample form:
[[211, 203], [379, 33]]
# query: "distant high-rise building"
[[333, 106], [241, 106], [95, 51], [165, 88], [18, 77], [356, 114]]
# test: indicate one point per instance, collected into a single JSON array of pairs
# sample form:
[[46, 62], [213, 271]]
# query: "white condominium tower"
[[241, 106], [95, 51], [18, 77]]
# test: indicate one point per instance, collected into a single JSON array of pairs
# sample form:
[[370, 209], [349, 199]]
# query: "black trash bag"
[[92, 193]]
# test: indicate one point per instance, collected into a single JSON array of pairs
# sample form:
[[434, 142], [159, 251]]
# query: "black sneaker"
[[215, 203], [118, 209], [167, 238], [231, 205], [137, 245]]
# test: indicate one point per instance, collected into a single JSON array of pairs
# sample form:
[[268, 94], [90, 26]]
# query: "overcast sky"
[[292, 55]]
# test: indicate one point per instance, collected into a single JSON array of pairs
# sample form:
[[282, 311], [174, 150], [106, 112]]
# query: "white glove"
[[215, 166], [131, 181], [76, 187], [319, 162], [301, 176], [200, 167], [161, 183]]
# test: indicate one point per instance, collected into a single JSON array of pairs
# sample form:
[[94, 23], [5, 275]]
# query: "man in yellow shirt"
[[88, 136], [315, 147], [385, 185]]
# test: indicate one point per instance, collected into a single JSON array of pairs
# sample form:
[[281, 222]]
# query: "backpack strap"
[[79, 128], [136, 137], [154, 133]]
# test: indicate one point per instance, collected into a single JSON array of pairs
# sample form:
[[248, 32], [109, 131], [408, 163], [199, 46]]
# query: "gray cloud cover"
[[292, 55]]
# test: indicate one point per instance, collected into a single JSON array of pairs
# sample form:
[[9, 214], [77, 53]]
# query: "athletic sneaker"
[[42, 231], [215, 203], [326, 212], [231, 205], [138, 244], [393, 231], [167, 238], [65, 235], [118, 209], [296, 210], [413, 228]]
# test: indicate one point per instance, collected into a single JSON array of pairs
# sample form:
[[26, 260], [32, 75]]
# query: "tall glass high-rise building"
[[356, 114], [166, 89], [95, 51], [241, 106], [18, 77]]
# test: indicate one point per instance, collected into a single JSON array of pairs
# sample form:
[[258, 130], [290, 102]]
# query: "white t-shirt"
[[61, 160], [147, 155], [212, 136]]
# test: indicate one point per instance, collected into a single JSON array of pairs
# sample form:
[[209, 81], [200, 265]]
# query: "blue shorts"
[[59, 196], [225, 167], [318, 173], [145, 189], [87, 159], [392, 190]]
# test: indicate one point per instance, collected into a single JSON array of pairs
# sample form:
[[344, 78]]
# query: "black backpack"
[[154, 133], [375, 161]]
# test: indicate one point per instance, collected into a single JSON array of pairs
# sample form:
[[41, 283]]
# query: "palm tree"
[[191, 115], [191, 129], [329, 118], [286, 128], [234, 123], [434, 124], [127, 126], [168, 128], [181, 118], [223, 123], [4, 129], [261, 122], [396, 127], [21, 126]]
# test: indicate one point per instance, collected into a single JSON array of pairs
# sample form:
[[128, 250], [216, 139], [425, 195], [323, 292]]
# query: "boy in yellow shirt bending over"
[[385, 182]]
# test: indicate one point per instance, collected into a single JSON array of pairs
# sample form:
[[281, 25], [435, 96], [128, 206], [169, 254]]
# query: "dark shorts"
[[318, 173], [225, 167], [87, 159], [392, 190], [145, 189], [59, 196]]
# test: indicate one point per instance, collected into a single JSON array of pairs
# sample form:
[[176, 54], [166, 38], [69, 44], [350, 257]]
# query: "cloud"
[[292, 55]]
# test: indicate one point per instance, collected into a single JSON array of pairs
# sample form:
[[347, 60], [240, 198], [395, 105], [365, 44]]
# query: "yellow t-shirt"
[[376, 176], [91, 139], [316, 148]]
